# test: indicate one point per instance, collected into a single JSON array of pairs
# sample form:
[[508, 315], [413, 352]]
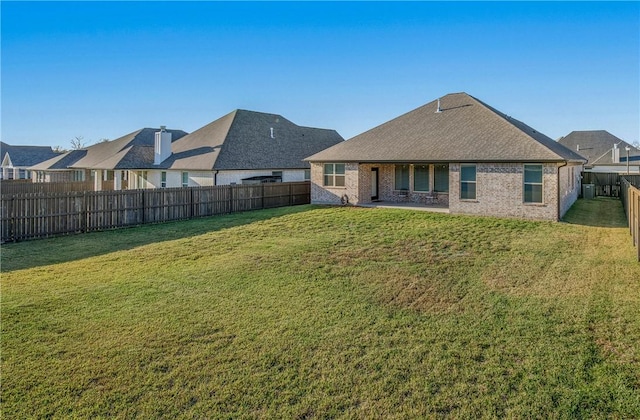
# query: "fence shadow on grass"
[[41, 252], [599, 212]]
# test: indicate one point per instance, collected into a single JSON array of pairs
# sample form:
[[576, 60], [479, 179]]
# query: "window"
[[163, 179], [533, 183], [421, 178], [334, 175], [441, 178], [78, 175], [307, 174], [402, 177], [468, 182], [142, 179], [185, 179]]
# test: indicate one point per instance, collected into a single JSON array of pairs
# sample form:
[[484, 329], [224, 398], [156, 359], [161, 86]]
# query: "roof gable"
[[596, 145], [465, 129], [250, 140], [25, 156]]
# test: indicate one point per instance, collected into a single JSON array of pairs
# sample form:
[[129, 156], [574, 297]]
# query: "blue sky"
[[104, 69]]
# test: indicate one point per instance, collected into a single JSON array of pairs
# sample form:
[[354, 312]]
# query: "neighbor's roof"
[[132, 151], [25, 156], [241, 140], [596, 145], [466, 130]]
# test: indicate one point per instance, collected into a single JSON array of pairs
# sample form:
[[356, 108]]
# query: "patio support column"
[[117, 180]]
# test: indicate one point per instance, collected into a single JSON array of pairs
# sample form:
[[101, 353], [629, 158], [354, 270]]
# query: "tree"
[[102, 141], [77, 143], [59, 149]]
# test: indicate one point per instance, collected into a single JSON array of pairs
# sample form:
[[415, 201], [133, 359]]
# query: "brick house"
[[455, 152]]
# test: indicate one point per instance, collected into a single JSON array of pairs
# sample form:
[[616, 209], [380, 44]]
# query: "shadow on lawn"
[[40, 252], [599, 212]]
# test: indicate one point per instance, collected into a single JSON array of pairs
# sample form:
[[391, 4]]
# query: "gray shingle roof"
[[131, 151], [25, 156], [242, 140], [467, 130], [596, 145]]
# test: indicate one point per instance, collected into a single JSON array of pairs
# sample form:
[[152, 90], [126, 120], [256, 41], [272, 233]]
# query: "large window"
[[468, 182], [163, 179], [307, 174], [441, 177], [533, 183], [185, 179], [421, 178], [334, 175], [402, 177]]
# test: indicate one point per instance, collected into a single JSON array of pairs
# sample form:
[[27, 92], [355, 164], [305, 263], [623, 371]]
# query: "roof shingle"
[[466, 130]]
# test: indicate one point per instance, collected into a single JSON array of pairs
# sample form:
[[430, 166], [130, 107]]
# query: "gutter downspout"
[[558, 184], [215, 178]]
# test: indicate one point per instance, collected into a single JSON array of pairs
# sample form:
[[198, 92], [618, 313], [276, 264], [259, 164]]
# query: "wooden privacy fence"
[[630, 196], [606, 184], [28, 216], [29, 187]]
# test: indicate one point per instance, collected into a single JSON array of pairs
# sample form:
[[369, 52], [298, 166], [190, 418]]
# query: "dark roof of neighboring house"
[[241, 140], [466, 130], [596, 145], [132, 151], [25, 156]]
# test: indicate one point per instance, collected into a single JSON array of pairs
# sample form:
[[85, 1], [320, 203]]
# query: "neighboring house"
[[604, 151], [457, 152], [248, 147], [241, 147], [120, 162], [16, 160]]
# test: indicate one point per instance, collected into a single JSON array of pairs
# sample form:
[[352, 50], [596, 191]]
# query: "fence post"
[[262, 196], [231, 206]]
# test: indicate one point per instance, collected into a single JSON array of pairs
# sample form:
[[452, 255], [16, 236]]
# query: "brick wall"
[[570, 186], [333, 195], [499, 192]]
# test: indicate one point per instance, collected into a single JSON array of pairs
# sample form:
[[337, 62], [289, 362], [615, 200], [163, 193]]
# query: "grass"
[[325, 312]]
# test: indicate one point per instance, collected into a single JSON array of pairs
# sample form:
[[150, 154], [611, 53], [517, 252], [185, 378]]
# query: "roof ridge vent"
[[438, 110]]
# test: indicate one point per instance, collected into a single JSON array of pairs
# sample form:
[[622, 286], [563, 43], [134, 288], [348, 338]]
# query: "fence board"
[[630, 196], [40, 215]]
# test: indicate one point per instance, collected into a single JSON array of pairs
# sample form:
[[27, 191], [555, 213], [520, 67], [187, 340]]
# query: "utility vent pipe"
[[438, 110], [272, 133]]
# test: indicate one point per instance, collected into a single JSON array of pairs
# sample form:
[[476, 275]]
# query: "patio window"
[[533, 183], [421, 178], [441, 177], [334, 174], [468, 182], [402, 178]]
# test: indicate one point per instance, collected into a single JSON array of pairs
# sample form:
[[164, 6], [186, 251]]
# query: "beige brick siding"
[[570, 186], [499, 189], [333, 195], [499, 192]]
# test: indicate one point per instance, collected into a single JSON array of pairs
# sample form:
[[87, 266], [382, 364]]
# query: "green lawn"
[[326, 312]]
